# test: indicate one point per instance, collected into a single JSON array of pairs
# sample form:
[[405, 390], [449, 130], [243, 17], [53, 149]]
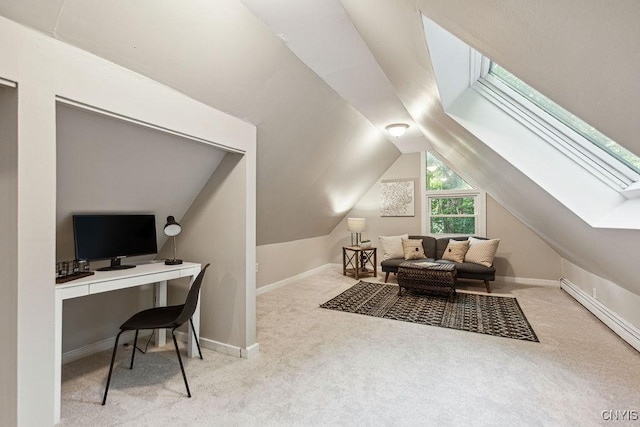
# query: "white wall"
[[617, 299], [8, 254], [45, 68]]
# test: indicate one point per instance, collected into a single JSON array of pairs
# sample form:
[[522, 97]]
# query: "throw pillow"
[[392, 246], [456, 250], [481, 251], [413, 249]]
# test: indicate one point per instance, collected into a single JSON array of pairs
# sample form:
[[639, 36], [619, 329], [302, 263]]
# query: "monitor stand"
[[115, 265]]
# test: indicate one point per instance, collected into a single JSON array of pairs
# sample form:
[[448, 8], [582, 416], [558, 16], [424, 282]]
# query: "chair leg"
[[184, 376], [195, 337], [113, 358], [386, 277], [135, 346], [486, 285]]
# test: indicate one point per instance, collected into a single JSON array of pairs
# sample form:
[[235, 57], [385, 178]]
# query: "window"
[[576, 139], [453, 206], [452, 215]]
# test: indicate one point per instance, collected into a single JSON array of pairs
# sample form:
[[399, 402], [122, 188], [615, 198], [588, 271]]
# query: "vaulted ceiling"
[[311, 142], [321, 78]]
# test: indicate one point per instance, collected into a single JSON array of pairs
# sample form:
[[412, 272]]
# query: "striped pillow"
[[481, 251]]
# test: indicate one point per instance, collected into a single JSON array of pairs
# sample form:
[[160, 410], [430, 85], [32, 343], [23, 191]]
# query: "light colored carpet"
[[323, 367]]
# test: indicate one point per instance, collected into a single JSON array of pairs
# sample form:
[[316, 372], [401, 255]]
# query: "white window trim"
[[480, 205], [570, 143]]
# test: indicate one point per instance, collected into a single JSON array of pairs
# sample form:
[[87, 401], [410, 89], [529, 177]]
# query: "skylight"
[[567, 118], [577, 139], [600, 187]]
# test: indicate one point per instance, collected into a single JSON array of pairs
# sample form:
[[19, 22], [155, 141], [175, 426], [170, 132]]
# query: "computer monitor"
[[113, 237]]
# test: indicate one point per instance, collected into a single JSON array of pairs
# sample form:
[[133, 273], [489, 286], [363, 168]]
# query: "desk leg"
[[192, 348], [57, 359], [161, 301]]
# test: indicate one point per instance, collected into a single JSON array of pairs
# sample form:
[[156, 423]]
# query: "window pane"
[[584, 129], [440, 177], [453, 225], [453, 206]]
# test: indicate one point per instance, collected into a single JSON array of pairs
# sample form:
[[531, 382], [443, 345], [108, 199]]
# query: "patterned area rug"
[[484, 314]]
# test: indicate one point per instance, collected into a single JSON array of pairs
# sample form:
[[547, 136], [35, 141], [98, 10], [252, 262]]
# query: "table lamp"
[[172, 229], [356, 226]]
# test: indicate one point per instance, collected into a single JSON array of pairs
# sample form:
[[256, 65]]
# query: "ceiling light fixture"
[[397, 129]]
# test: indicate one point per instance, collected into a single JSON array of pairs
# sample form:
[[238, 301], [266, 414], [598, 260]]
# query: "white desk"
[[105, 281]]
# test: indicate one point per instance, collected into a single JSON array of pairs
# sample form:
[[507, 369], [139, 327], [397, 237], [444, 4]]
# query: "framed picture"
[[397, 197]]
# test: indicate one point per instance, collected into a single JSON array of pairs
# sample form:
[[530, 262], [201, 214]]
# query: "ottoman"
[[427, 276]]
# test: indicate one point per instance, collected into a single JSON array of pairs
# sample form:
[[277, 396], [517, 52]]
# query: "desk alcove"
[[109, 281], [147, 171], [51, 171]]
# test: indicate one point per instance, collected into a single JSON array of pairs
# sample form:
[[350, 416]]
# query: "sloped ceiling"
[[312, 143], [310, 140], [321, 34], [539, 41], [99, 169]]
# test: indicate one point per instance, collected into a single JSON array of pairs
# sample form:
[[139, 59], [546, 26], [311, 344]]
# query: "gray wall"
[[521, 253], [44, 68], [280, 261], [385, 25], [406, 166], [8, 254], [109, 165], [310, 139], [214, 232]]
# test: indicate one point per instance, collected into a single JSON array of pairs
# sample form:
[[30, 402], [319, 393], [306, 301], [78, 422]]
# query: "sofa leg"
[[386, 277], [486, 284]]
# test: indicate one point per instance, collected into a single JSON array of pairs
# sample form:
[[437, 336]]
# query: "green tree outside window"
[[449, 214]]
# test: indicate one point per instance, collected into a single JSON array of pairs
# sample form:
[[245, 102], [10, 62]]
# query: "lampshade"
[[397, 129], [172, 228], [356, 225]]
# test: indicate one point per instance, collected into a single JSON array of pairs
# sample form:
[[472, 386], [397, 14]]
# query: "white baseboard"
[[88, 350], [272, 286], [528, 281], [250, 352], [231, 350], [624, 329], [228, 349]]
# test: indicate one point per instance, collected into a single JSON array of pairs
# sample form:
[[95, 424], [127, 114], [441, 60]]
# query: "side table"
[[355, 260]]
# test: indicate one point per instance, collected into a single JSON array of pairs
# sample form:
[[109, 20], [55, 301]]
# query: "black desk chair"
[[162, 318]]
